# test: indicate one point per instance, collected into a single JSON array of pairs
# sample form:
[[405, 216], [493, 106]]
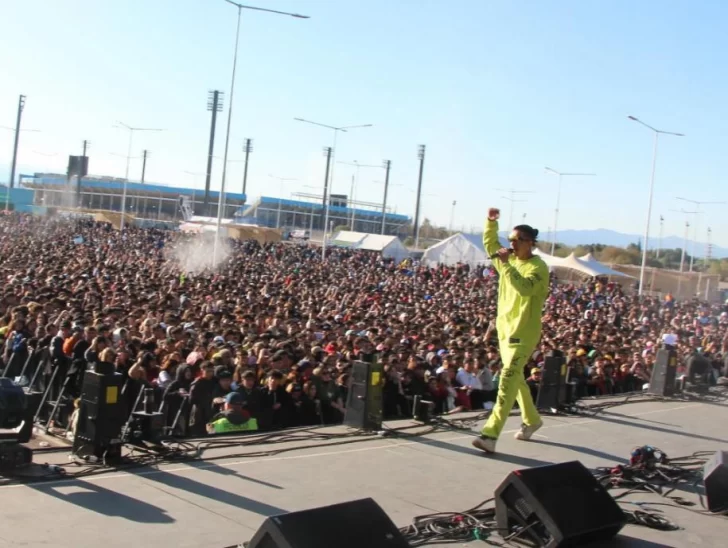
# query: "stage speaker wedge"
[[354, 524], [557, 505], [715, 477]]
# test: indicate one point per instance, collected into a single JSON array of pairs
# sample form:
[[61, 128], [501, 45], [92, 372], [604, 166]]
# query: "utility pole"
[[247, 148], [21, 106], [452, 217], [421, 156], [145, 153], [685, 245], [659, 241], [387, 167], [214, 104], [708, 250], [327, 153], [80, 174], [512, 199]]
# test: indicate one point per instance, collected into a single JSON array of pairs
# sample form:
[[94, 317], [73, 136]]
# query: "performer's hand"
[[493, 214], [504, 254]]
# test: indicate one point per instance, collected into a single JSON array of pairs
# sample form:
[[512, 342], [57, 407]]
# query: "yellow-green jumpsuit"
[[522, 291]]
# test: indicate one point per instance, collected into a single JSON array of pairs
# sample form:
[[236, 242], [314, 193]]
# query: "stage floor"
[[221, 503]]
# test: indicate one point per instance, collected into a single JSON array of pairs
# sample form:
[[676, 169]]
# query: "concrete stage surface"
[[221, 503]]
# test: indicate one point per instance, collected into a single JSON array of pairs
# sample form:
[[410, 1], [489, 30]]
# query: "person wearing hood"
[[223, 386], [201, 399], [176, 394]]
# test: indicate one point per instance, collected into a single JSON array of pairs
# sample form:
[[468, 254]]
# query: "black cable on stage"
[[187, 450], [659, 477], [477, 523]]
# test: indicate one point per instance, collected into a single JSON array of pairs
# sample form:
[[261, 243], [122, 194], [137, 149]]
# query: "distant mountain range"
[[611, 237]]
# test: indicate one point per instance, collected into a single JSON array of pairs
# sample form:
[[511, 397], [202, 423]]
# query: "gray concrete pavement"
[[222, 502]]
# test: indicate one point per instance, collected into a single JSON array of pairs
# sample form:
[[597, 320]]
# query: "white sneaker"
[[485, 444], [526, 431]]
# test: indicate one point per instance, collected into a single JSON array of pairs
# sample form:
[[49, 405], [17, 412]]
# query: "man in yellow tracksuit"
[[522, 291]]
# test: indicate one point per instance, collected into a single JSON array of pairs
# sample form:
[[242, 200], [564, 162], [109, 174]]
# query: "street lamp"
[[131, 131], [452, 216], [16, 130], [240, 7], [685, 240], [657, 133], [513, 200], [558, 199], [354, 184], [281, 180], [327, 192], [697, 205]]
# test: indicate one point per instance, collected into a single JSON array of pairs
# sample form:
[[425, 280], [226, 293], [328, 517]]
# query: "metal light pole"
[[355, 184], [421, 157], [21, 107], [708, 249], [558, 199], [131, 131], [452, 216], [327, 191], [281, 180], [220, 203], [685, 243], [659, 241], [513, 200], [697, 205], [248, 148], [387, 167], [145, 155], [657, 133], [214, 105]]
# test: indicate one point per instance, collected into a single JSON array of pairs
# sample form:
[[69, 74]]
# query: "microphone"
[[495, 255]]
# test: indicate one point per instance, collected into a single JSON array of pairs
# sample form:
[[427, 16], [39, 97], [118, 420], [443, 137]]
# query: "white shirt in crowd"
[[468, 379]]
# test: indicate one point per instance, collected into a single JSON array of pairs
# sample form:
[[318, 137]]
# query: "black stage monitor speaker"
[[552, 389], [101, 416], [662, 380], [355, 524], [715, 477], [558, 505], [364, 406]]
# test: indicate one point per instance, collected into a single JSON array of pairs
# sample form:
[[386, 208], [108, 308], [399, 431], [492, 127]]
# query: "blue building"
[[290, 214], [143, 200], [17, 199]]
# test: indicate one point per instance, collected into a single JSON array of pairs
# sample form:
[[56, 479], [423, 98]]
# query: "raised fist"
[[493, 214]]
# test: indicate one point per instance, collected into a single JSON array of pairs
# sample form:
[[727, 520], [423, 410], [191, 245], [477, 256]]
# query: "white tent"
[[459, 248], [589, 267], [390, 247], [603, 269], [552, 261]]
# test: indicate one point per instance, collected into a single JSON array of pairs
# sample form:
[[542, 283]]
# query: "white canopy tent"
[[390, 247], [551, 260], [601, 268], [459, 248], [468, 249]]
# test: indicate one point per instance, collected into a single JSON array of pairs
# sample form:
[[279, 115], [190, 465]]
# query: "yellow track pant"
[[511, 387]]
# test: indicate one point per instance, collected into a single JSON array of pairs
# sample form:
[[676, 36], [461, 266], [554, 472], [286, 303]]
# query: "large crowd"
[[268, 337]]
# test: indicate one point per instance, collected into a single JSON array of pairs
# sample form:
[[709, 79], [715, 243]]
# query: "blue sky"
[[495, 89]]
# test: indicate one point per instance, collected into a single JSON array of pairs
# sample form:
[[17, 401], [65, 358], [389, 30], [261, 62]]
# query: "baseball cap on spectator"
[[221, 372], [234, 398]]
